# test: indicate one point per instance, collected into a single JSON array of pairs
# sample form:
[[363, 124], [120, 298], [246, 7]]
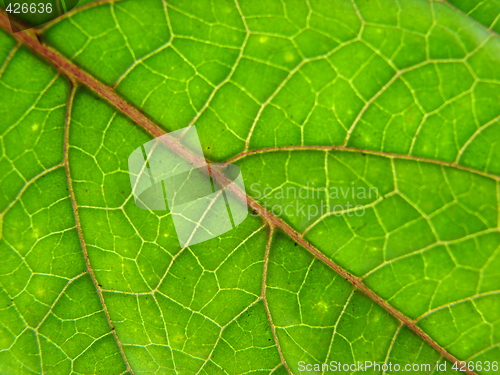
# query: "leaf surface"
[[397, 99]]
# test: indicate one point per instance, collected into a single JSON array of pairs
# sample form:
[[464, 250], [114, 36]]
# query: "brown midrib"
[[75, 74]]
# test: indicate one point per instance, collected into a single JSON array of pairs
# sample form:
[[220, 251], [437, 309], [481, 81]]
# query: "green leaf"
[[384, 112], [486, 12]]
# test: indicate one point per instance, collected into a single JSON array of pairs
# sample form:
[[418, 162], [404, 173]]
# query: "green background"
[[399, 95]]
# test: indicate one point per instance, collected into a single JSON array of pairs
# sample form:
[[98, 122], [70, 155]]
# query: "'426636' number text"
[[29, 8]]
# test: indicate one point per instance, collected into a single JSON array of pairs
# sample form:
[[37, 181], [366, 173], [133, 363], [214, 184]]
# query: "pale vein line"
[[8, 59], [27, 185], [391, 346], [489, 29], [334, 331], [209, 358], [454, 303], [72, 12], [61, 293], [472, 138], [229, 75]]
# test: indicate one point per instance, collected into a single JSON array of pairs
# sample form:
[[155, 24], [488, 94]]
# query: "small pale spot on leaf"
[[289, 56], [322, 307]]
